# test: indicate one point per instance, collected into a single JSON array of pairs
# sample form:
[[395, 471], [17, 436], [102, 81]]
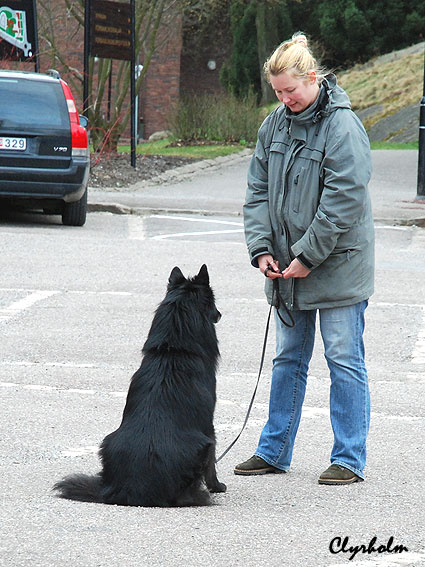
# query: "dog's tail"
[[81, 487]]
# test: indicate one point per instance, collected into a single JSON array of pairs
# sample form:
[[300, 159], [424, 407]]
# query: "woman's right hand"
[[267, 261]]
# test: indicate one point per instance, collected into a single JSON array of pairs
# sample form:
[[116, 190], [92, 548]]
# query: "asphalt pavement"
[[75, 307]]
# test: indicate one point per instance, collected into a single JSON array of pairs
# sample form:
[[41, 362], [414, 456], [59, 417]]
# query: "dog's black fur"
[[164, 450]]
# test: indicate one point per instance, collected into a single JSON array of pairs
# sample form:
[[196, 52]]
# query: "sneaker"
[[256, 465], [336, 474]]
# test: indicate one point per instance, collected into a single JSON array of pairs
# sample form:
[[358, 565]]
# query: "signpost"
[[110, 34], [18, 31], [421, 153]]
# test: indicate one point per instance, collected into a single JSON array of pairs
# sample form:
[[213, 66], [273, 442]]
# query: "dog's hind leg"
[[194, 495], [210, 473]]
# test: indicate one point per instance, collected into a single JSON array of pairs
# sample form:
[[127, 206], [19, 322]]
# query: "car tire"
[[74, 214]]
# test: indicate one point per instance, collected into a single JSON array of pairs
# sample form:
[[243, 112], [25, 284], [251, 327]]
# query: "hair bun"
[[301, 39]]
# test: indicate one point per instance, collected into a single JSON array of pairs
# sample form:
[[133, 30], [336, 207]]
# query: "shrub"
[[220, 117]]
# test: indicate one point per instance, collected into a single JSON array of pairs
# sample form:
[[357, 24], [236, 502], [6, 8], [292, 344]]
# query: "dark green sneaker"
[[256, 465], [336, 474]]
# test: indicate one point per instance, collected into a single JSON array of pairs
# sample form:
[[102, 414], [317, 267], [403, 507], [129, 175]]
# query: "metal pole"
[[87, 23], [421, 153], [133, 82], [108, 115], [36, 55]]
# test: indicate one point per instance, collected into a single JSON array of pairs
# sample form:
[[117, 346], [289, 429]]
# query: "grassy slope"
[[394, 85]]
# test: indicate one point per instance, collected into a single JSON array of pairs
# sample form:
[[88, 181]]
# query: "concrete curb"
[[415, 221], [118, 209]]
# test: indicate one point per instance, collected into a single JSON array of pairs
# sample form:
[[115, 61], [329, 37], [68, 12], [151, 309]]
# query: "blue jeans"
[[342, 333]]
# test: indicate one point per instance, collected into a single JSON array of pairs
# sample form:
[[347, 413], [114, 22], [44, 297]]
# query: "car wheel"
[[74, 214]]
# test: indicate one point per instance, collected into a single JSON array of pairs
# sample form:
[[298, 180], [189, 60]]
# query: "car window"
[[25, 103]]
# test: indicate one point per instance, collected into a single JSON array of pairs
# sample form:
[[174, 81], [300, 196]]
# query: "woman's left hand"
[[295, 270]]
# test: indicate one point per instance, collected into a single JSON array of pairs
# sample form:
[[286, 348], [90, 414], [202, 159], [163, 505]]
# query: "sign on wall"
[[110, 34], [18, 30]]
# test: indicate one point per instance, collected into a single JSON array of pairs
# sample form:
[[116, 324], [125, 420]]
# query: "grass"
[[213, 151], [394, 146], [203, 151]]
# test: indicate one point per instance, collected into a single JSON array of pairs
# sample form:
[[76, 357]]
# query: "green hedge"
[[222, 118]]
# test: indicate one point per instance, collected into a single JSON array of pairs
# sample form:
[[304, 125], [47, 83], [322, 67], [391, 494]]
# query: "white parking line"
[[137, 227], [29, 363], [69, 291], [197, 233], [418, 353], [209, 220], [408, 559], [21, 305]]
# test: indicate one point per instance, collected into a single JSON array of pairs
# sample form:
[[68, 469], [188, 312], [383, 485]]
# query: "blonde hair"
[[293, 56]]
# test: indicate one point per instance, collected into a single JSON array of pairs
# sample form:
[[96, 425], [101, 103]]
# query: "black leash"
[[279, 303]]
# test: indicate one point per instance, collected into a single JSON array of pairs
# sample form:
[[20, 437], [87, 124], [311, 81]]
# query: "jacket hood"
[[331, 96]]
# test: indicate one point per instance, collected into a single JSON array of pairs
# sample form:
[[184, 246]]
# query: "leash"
[[263, 354]]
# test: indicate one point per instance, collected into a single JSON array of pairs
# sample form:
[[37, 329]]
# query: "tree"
[[153, 19], [258, 28]]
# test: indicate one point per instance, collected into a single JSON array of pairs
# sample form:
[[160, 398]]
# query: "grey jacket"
[[307, 197]]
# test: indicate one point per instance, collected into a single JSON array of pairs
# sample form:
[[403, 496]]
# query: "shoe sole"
[[334, 482], [254, 472]]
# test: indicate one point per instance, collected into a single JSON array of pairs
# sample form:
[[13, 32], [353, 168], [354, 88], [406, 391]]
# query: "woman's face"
[[297, 94]]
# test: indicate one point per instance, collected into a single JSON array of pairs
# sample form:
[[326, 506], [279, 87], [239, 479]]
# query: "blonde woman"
[[308, 222]]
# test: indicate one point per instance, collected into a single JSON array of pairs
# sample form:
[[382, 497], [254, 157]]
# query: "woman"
[[308, 222]]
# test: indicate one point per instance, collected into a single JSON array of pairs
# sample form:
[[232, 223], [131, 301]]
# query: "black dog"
[[164, 450]]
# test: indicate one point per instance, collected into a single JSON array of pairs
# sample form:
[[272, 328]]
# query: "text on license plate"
[[7, 143]]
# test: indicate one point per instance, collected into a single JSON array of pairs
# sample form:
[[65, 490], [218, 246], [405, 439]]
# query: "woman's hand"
[[266, 261], [295, 270]]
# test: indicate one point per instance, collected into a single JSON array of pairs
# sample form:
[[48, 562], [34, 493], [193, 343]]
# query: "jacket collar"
[[331, 96]]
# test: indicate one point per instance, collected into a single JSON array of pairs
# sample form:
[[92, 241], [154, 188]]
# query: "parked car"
[[44, 151]]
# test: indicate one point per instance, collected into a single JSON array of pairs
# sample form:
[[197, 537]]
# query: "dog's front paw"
[[218, 487]]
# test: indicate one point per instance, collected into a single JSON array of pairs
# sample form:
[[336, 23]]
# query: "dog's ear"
[[176, 276], [203, 276]]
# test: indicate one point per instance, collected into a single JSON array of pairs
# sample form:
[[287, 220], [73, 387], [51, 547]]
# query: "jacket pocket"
[[298, 189], [279, 147]]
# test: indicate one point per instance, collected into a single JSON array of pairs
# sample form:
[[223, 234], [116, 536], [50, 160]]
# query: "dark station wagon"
[[44, 152]]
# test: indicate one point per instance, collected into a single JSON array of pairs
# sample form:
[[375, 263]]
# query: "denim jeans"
[[342, 333]]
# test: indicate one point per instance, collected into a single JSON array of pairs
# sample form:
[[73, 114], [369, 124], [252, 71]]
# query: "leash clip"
[[280, 303]]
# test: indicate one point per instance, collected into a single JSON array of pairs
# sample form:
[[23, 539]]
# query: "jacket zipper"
[[284, 228]]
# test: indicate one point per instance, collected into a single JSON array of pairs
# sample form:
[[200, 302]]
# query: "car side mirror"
[[84, 121]]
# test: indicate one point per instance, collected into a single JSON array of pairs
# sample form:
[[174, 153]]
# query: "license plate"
[[13, 143]]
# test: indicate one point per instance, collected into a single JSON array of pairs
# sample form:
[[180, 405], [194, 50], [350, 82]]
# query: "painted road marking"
[[138, 230], [18, 307], [196, 233], [80, 451], [407, 558], [36, 295], [418, 353], [68, 291], [209, 220], [28, 363]]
